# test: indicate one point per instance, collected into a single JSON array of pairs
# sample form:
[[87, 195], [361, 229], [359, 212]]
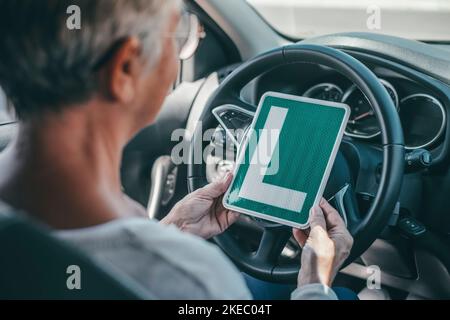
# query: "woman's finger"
[[217, 188], [332, 217], [317, 219], [301, 236]]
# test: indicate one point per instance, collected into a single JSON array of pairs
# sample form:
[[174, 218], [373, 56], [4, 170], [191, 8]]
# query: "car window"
[[412, 19]]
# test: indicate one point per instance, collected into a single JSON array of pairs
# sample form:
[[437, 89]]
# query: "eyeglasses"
[[188, 36]]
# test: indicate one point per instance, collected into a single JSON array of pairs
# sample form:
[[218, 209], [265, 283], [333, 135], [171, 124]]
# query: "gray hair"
[[45, 66]]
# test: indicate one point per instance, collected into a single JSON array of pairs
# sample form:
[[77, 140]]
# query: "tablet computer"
[[286, 158]]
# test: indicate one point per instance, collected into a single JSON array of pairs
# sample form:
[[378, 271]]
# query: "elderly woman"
[[80, 96]]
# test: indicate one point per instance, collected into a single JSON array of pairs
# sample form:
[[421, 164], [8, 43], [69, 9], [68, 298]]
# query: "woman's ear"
[[122, 71]]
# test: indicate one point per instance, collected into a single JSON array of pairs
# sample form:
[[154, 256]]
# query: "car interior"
[[390, 182]]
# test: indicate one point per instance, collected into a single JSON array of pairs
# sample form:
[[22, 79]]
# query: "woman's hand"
[[325, 247], [202, 213]]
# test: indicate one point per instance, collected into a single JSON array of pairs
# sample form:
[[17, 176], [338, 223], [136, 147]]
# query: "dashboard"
[[422, 115], [421, 101]]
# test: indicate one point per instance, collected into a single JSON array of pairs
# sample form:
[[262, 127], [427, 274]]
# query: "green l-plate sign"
[[286, 160]]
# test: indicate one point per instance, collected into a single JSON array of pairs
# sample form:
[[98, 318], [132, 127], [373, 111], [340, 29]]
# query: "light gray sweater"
[[171, 264]]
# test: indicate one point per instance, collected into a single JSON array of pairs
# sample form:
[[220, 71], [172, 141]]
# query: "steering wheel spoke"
[[273, 241], [238, 102], [346, 204], [235, 118]]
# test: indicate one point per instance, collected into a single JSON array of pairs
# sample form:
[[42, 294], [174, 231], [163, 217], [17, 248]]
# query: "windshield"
[[413, 19]]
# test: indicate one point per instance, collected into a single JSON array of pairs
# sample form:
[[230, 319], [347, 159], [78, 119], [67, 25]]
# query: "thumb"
[[301, 236], [317, 219], [217, 188]]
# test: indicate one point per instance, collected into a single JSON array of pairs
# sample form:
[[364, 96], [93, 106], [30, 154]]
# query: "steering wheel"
[[263, 263]]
